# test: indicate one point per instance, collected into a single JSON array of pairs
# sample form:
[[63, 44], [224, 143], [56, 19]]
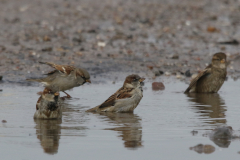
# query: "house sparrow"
[[48, 105], [125, 99], [63, 78], [211, 79]]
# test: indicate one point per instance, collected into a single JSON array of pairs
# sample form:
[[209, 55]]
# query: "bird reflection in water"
[[222, 136], [48, 132], [130, 128], [210, 105]]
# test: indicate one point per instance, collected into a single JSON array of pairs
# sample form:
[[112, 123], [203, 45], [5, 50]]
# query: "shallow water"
[[165, 125]]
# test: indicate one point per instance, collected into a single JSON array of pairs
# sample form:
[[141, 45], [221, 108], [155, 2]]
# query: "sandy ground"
[[112, 38]]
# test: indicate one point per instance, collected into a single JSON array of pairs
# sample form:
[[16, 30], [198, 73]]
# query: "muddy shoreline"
[[113, 38]]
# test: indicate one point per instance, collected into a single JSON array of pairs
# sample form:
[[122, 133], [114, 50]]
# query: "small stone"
[[161, 72], [1, 78], [2, 48], [4, 121], [23, 8], [158, 86], [175, 56], [212, 29], [150, 67], [46, 38], [47, 49], [0, 90], [178, 76], [79, 40], [101, 44], [223, 48], [157, 73], [167, 73], [188, 73]]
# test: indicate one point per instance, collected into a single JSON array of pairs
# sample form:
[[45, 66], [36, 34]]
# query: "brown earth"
[[112, 38]]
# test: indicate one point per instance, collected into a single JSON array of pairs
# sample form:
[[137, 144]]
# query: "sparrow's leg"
[[68, 96]]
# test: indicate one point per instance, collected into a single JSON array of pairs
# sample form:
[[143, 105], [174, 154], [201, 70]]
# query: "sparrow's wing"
[[62, 68], [122, 93], [51, 72], [206, 71], [39, 99]]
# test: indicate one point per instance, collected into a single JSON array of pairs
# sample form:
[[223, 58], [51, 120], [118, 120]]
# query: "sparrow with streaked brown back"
[[48, 105], [212, 77], [63, 78], [125, 99]]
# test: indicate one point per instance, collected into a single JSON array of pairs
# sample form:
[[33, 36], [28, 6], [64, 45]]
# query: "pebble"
[[4, 121], [47, 49], [167, 73], [46, 38], [1, 78], [188, 73], [158, 86], [101, 44], [212, 29], [175, 56], [158, 73], [178, 76]]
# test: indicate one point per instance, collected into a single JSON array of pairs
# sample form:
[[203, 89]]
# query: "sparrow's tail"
[[35, 80], [48, 63], [93, 109]]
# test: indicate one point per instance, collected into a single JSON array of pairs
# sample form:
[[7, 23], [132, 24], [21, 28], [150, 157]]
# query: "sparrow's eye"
[[135, 79]]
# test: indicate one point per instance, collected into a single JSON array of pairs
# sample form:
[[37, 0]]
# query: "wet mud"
[[112, 37]]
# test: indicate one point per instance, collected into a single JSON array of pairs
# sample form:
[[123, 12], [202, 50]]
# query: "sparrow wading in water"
[[211, 79], [125, 99]]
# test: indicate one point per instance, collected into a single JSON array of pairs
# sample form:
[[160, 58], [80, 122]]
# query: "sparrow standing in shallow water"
[[125, 99], [48, 105], [211, 79], [63, 78]]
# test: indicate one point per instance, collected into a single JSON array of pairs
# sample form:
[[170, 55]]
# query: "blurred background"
[[112, 37]]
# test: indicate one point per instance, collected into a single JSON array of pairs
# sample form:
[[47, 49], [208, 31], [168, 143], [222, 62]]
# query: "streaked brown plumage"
[[125, 99], [212, 77], [63, 78], [48, 105]]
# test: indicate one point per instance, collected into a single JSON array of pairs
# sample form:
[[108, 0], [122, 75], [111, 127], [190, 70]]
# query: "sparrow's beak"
[[223, 61], [141, 80], [88, 80], [56, 94]]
